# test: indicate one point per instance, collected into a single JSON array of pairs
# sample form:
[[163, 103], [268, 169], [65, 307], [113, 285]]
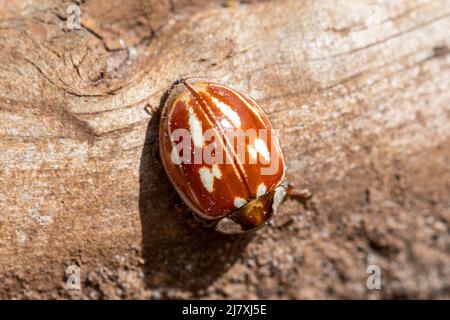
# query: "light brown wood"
[[360, 93]]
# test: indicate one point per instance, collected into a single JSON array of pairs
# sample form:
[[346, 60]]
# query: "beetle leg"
[[154, 112], [180, 207], [201, 221], [151, 110], [302, 195]]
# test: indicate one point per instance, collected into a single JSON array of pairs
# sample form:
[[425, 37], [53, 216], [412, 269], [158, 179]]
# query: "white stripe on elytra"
[[259, 146], [252, 108], [261, 190], [239, 202], [195, 128], [236, 171], [228, 112], [255, 111], [207, 176], [172, 143]]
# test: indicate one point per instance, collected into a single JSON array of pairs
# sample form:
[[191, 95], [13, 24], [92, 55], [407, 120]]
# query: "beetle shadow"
[[178, 252]]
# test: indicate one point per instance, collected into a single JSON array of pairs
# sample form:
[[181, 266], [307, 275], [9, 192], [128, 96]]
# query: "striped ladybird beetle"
[[222, 155]]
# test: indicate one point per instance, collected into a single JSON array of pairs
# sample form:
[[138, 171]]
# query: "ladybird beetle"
[[221, 154]]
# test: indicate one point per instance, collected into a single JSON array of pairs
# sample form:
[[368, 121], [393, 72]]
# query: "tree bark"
[[359, 90]]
